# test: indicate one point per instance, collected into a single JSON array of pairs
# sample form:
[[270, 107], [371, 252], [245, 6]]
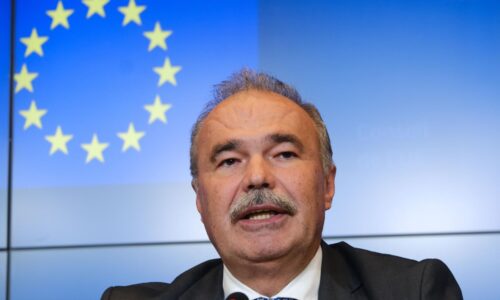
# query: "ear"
[[194, 185], [198, 206], [330, 187]]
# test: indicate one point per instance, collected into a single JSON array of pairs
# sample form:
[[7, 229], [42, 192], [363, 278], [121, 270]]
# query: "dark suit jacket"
[[346, 273]]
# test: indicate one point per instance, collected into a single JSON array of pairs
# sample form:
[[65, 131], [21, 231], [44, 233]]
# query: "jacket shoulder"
[[365, 260], [181, 285], [136, 291], [385, 276], [201, 280]]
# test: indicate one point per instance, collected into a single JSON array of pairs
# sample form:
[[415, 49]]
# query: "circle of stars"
[[34, 43]]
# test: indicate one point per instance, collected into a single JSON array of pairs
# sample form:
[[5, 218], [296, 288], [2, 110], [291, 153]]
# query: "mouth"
[[262, 219], [262, 207], [261, 213]]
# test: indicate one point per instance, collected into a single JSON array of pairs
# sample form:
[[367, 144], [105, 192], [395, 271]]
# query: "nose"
[[258, 175]]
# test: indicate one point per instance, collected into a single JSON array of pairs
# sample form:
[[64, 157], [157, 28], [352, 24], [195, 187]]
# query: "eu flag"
[[105, 95]]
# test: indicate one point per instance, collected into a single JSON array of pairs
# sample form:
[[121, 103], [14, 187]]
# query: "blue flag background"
[[96, 77], [104, 98]]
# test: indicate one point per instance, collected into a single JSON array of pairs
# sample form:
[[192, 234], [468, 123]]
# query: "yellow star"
[[58, 141], [95, 149], [157, 110], [24, 79], [33, 116], [131, 138], [157, 37], [59, 16], [95, 7], [167, 72], [132, 12], [34, 43]]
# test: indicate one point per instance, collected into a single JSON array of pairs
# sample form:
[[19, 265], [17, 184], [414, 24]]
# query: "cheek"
[[204, 199], [306, 187], [302, 182], [216, 200]]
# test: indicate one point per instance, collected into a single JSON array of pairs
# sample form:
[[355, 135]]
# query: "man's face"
[[252, 147]]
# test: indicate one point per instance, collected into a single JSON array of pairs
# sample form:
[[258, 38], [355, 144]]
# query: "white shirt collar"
[[304, 286]]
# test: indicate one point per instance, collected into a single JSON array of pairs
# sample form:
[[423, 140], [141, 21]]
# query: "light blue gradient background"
[[410, 93], [86, 273], [3, 272], [408, 89]]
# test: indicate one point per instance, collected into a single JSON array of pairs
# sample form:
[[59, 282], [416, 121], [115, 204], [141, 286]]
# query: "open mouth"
[[261, 205], [260, 215]]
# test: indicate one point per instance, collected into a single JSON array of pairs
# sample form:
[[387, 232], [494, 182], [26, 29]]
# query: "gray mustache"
[[260, 197]]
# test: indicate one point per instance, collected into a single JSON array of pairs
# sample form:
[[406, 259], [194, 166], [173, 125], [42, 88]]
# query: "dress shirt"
[[303, 287]]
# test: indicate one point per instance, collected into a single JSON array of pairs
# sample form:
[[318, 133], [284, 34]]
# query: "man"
[[263, 174]]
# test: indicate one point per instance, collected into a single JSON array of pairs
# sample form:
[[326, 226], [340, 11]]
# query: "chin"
[[265, 253]]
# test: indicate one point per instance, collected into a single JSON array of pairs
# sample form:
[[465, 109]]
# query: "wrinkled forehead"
[[255, 108], [255, 112]]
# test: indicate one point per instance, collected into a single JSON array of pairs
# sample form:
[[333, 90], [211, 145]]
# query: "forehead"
[[253, 112]]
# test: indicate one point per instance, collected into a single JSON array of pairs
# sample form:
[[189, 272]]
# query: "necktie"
[[277, 298], [241, 296]]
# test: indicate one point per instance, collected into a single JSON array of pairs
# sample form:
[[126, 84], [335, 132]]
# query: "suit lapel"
[[338, 278], [199, 283], [209, 287]]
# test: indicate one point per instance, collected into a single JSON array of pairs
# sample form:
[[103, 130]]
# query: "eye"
[[287, 154], [228, 162]]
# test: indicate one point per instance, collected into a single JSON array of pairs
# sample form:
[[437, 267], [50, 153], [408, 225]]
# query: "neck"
[[270, 277]]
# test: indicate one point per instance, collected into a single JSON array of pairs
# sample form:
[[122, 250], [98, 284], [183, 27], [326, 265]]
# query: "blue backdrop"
[[104, 99]]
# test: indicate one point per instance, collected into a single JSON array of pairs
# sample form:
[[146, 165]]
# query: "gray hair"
[[247, 79]]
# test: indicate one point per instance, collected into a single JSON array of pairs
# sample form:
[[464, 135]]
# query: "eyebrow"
[[279, 138], [222, 147]]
